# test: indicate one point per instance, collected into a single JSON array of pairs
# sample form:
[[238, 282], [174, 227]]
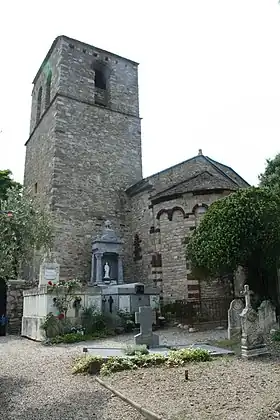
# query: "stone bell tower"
[[84, 147]]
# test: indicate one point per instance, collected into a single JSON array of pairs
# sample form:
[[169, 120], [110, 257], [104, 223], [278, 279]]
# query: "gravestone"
[[49, 271], [252, 340], [267, 316], [234, 321], [146, 336]]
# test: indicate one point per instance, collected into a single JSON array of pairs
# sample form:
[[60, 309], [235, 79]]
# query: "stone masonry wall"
[[40, 158], [82, 155], [15, 304], [96, 158], [161, 235], [49, 65]]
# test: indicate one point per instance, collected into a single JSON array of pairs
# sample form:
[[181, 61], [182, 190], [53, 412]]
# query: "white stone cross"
[[247, 292]]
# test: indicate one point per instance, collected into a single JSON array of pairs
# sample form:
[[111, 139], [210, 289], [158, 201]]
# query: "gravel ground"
[[36, 383], [227, 388], [171, 336]]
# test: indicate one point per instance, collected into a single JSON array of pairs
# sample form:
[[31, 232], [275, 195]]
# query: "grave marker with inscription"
[[49, 271]]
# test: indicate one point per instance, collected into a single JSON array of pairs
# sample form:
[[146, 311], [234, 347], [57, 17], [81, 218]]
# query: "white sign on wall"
[[50, 274]]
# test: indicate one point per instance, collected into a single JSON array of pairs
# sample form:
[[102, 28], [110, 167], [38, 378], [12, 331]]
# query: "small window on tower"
[[36, 188], [48, 90], [99, 79], [39, 104]]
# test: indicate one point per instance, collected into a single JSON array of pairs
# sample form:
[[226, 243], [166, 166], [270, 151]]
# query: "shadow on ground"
[[10, 390], [82, 405], [85, 404]]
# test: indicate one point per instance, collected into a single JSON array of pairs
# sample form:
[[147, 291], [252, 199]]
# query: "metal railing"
[[209, 310]]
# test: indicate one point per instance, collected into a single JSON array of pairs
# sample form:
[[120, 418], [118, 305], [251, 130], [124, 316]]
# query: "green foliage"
[[126, 320], [180, 357], [28, 229], [64, 294], [135, 350], [6, 183], [82, 363], [92, 320], [59, 329], [68, 338], [117, 364], [241, 229], [271, 176], [51, 326], [276, 336]]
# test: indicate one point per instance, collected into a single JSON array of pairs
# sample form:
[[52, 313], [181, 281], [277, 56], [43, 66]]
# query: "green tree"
[[271, 176], [242, 229], [27, 228], [6, 182]]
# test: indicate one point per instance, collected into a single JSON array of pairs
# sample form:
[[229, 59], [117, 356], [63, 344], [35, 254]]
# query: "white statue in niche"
[[106, 271]]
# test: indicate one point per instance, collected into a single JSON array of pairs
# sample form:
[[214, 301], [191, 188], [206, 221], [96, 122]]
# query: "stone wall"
[[81, 156], [14, 311], [163, 229], [83, 159]]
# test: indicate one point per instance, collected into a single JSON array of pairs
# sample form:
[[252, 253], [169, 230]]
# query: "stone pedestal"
[[252, 340]]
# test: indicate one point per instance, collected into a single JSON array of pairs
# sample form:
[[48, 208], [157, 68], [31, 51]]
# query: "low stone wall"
[[14, 311]]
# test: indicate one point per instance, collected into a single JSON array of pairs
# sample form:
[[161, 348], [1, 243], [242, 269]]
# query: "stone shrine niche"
[[107, 265]]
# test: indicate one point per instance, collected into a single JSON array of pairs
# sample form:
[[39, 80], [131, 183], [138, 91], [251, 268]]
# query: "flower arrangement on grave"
[[64, 294]]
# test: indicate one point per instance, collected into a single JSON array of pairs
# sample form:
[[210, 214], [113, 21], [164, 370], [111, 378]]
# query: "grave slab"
[[107, 352]]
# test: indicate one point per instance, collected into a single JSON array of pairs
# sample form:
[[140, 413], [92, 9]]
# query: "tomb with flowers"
[[106, 291]]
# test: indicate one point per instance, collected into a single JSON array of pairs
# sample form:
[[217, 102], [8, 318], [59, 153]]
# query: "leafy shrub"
[[127, 320], [276, 336], [68, 338], [117, 364], [82, 364], [50, 326], [56, 325], [76, 337], [92, 320], [180, 357], [135, 350]]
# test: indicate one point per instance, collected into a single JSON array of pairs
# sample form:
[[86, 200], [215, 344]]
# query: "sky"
[[209, 73]]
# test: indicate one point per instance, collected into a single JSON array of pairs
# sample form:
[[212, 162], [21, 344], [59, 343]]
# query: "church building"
[[84, 162]]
